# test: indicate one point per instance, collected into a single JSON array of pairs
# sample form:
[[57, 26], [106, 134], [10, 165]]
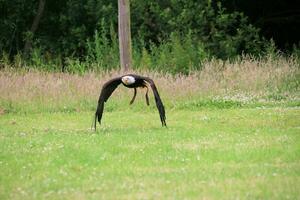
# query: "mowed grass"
[[236, 153]]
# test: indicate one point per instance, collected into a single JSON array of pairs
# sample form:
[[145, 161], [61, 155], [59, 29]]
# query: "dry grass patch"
[[239, 81]]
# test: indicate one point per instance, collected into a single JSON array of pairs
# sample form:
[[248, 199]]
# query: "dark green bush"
[[173, 35]]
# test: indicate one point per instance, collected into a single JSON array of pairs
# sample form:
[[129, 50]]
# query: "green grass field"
[[205, 153]]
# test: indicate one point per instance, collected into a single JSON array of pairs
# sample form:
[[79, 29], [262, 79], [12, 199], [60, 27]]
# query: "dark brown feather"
[[159, 104], [107, 89]]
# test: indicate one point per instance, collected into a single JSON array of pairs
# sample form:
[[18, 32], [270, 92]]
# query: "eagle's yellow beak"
[[125, 80]]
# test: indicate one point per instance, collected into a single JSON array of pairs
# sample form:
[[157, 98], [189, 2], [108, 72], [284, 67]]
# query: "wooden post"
[[124, 34], [34, 26]]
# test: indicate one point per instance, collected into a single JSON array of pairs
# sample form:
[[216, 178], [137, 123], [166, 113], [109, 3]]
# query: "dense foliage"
[[176, 34]]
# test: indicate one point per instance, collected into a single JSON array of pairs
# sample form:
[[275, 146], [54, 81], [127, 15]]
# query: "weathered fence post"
[[124, 34], [34, 26]]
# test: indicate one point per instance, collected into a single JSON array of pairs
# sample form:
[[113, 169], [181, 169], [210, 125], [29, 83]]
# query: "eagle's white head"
[[128, 80]]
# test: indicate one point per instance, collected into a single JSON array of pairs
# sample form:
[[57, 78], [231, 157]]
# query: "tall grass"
[[245, 81]]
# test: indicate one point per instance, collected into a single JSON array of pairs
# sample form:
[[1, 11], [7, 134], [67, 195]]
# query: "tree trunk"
[[34, 26], [124, 34]]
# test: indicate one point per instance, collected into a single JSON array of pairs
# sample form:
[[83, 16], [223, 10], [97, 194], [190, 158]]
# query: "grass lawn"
[[236, 153]]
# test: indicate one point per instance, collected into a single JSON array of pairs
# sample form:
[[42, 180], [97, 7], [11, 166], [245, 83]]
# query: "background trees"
[[162, 31]]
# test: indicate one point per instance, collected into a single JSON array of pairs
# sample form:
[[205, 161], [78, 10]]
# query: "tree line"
[[162, 31]]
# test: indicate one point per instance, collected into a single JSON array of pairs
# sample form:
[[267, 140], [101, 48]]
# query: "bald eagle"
[[130, 81]]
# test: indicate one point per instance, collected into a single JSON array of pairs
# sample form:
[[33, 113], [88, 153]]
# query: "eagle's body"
[[133, 81], [130, 81]]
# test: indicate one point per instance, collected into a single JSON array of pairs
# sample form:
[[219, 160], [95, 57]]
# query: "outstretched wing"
[[106, 92], [159, 104]]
